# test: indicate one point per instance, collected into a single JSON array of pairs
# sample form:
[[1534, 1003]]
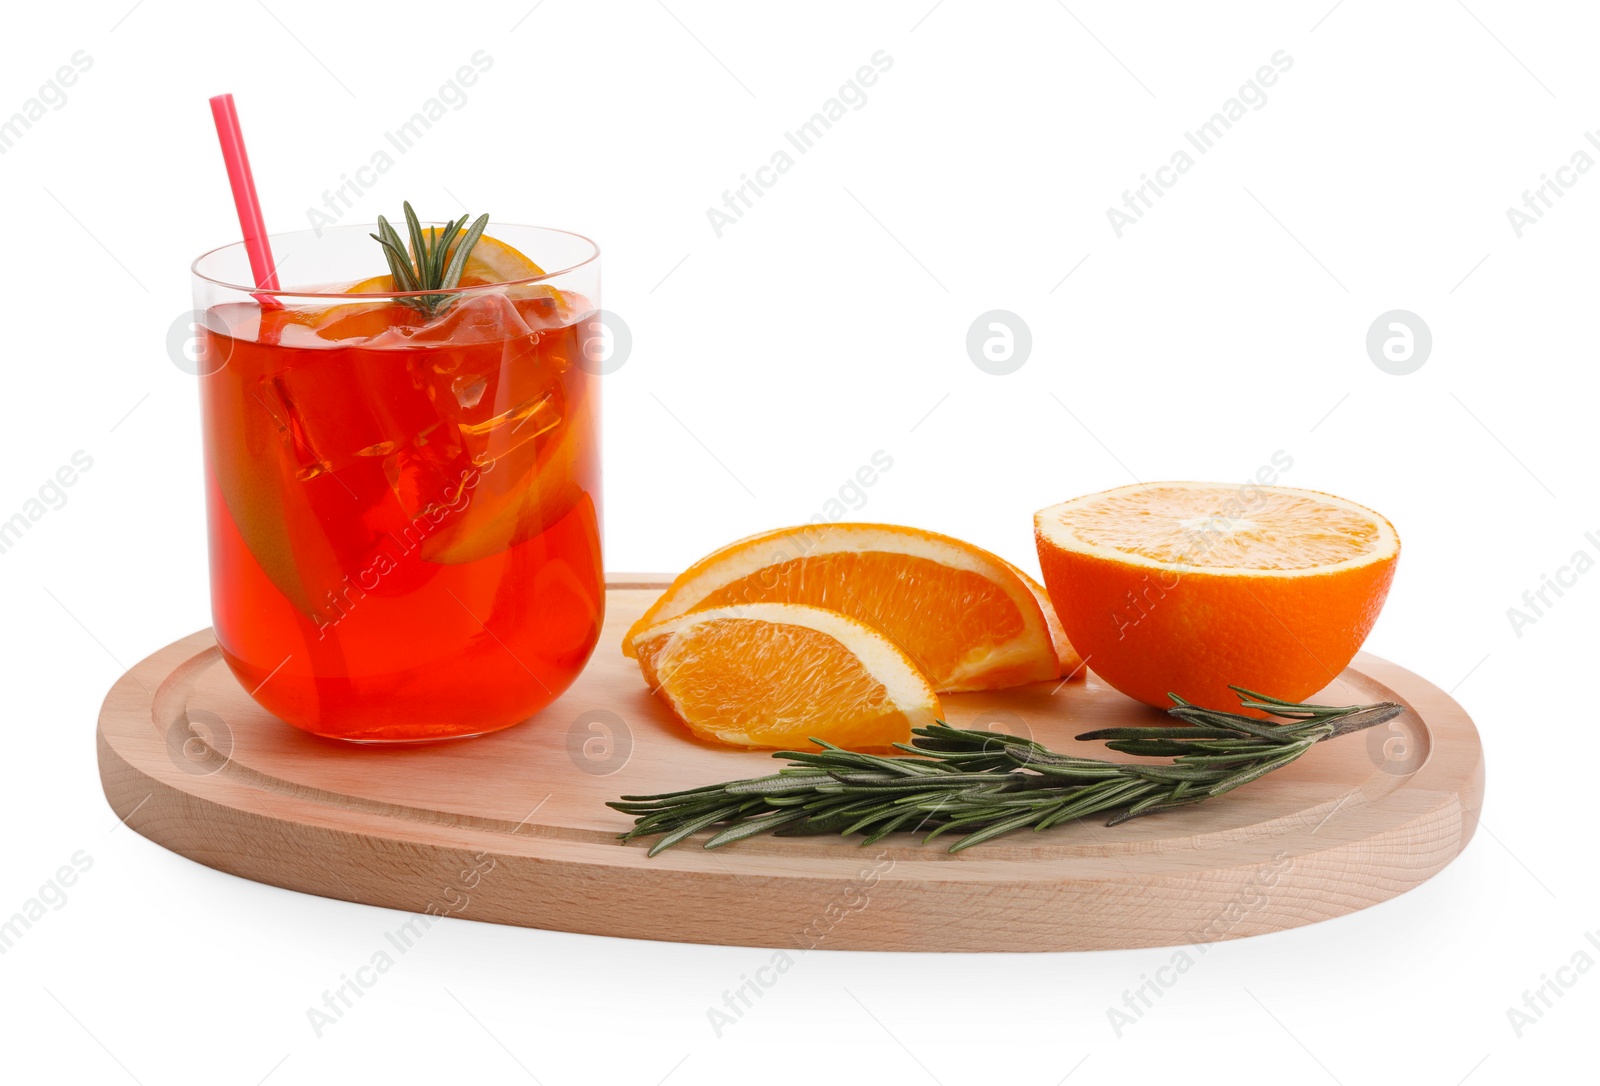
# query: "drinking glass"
[[403, 502]]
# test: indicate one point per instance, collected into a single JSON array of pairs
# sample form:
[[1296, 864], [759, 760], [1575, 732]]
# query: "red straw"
[[244, 194]]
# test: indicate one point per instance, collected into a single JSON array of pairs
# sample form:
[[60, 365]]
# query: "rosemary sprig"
[[985, 784], [431, 263]]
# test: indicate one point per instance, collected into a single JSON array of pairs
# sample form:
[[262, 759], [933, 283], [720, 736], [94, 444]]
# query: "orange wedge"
[[777, 674], [1068, 663], [968, 619], [522, 492], [1188, 587]]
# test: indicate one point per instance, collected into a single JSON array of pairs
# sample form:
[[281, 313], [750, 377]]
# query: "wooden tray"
[[513, 827]]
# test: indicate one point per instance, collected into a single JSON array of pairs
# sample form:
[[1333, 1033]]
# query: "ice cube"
[[488, 375], [504, 433], [469, 389], [403, 414], [336, 406], [426, 474], [477, 318]]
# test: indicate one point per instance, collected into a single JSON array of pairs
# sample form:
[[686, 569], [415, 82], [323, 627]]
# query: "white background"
[[767, 366]]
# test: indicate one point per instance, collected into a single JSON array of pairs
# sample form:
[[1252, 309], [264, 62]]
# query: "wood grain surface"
[[512, 827]]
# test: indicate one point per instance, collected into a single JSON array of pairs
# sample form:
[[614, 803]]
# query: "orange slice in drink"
[[778, 674], [252, 458], [491, 261], [967, 618], [377, 284], [362, 320], [1188, 587], [518, 495]]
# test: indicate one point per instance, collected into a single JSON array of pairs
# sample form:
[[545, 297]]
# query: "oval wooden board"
[[513, 828]]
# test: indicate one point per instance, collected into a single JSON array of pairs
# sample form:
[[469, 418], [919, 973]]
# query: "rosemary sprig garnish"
[[985, 784], [431, 263]]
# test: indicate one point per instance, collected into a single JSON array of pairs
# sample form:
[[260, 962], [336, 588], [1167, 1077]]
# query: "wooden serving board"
[[513, 828]]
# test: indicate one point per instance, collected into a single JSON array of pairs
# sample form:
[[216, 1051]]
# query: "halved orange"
[[777, 674], [965, 617], [1187, 587]]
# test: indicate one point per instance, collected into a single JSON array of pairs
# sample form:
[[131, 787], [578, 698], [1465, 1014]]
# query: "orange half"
[[1187, 587]]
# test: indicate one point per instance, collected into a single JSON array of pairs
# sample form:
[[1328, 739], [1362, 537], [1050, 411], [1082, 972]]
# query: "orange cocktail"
[[404, 498]]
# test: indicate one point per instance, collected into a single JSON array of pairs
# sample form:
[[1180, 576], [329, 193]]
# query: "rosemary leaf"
[[435, 261], [982, 784]]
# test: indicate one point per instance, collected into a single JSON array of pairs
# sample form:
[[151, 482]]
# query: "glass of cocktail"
[[403, 486]]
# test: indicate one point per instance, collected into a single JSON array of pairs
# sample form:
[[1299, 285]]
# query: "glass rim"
[[260, 292]]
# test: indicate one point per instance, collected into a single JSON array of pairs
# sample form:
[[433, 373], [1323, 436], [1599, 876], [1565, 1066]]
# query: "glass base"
[[409, 741]]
